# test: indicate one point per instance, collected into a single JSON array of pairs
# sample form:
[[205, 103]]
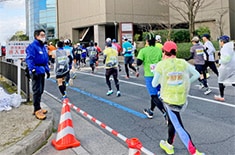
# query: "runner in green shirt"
[[149, 56]]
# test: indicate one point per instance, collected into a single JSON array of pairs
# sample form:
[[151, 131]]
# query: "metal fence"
[[9, 71]]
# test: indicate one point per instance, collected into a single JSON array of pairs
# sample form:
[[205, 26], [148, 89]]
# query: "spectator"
[[37, 61]]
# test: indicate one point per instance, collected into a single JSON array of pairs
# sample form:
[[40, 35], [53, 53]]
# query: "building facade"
[[82, 20], [41, 14]]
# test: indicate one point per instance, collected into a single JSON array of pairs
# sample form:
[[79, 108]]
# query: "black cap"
[[206, 35]]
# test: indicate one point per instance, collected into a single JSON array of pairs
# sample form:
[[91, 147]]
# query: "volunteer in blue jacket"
[[37, 61]]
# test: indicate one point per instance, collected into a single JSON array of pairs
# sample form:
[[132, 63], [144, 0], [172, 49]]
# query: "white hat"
[[108, 40], [195, 38], [158, 38], [66, 41]]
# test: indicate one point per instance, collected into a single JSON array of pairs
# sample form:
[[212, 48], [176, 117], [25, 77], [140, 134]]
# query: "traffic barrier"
[[134, 146], [65, 137], [115, 133]]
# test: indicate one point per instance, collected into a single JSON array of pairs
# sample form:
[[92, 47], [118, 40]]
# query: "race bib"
[[152, 67]]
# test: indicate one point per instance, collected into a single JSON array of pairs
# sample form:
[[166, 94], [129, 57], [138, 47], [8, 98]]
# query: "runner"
[[197, 53], [111, 66], [174, 76], [158, 42], [67, 46], [62, 60], [149, 56], [210, 53], [92, 54], [227, 66], [128, 58]]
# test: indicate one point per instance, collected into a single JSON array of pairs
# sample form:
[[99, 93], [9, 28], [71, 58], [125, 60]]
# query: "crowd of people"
[[167, 78]]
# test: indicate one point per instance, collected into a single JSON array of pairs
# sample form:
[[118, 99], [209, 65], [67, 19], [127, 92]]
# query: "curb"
[[38, 137]]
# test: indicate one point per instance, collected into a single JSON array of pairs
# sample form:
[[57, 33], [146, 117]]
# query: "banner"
[[16, 49]]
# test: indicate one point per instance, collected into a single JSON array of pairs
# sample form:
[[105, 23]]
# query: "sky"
[[12, 18]]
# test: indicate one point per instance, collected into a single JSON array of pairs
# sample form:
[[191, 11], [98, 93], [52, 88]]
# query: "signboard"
[[127, 27], [16, 49], [127, 31]]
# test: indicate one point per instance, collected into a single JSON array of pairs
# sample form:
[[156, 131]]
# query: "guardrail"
[[9, 71]]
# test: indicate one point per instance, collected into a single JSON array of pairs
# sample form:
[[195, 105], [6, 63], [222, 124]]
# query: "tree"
[[19, 36], [187, 9]]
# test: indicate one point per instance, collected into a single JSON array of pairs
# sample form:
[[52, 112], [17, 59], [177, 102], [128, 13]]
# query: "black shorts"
[[62, 75], [128, 60]]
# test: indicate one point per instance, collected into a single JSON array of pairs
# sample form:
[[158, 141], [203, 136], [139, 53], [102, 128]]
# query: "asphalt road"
[[210, 123]]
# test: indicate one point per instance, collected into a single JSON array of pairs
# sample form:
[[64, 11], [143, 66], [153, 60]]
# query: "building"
[[41, 14], [84, 20]]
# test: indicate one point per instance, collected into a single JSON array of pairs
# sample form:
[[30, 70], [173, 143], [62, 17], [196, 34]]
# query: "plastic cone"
[[65, 137], [134, 146]]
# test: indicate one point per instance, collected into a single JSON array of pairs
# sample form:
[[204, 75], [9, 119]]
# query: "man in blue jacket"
[[37, 61]]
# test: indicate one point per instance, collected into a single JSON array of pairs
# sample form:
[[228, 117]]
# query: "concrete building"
[[84, 20]]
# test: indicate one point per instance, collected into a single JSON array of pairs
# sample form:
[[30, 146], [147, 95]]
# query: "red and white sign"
[[16, 49]]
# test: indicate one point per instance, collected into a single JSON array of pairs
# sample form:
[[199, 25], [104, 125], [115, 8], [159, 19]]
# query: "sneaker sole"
[[147, 114], [164, 149], [207, 93]]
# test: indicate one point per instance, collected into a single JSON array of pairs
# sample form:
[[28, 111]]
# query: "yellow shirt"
[[111, 58]]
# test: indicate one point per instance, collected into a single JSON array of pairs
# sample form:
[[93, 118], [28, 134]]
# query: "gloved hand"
[[48, 75]]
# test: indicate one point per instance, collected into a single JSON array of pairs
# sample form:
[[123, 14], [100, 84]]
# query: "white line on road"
[[141, 85]]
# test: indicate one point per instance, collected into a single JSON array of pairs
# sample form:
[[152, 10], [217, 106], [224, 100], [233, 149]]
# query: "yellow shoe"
[[168, 148]]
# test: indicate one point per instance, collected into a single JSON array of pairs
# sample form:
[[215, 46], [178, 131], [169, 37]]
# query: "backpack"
[[62, 63]]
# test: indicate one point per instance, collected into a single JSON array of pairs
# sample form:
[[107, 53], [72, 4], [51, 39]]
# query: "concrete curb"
[[38, 137]]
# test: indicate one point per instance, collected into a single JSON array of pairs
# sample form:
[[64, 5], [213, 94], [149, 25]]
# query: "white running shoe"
[[109, 92], [208, 91]]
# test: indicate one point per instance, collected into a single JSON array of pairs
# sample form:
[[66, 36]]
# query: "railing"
[[9, 71]]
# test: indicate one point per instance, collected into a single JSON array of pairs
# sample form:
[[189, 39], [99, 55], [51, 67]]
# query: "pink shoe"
[[219, 98]]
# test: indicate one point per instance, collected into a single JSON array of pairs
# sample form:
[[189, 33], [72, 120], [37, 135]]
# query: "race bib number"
[[175, 78]]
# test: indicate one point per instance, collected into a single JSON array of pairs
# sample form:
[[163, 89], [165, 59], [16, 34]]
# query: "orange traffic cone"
[[134, 146], [65, 137]]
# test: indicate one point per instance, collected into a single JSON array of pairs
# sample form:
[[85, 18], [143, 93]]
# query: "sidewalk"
[[94, 141]]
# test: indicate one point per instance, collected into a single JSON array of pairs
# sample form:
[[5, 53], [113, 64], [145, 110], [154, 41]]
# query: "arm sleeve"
[[194, 72], [191, 57], [155, 80], [139, 62], [30, 58]]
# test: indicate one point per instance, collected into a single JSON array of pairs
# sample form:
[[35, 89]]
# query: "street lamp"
[[115, 30]]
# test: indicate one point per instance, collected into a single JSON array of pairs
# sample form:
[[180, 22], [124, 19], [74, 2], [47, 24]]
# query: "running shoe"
[[168, 148], [127, 77], [219, 98], [109, 92], [148, 113], [198, 153], [208, 91], [201, 86], [118, 93]]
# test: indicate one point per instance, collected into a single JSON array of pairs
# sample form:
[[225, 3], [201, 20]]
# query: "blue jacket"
[[37, 57]]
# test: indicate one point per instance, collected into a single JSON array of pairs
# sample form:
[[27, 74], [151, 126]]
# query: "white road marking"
[[141, 85]]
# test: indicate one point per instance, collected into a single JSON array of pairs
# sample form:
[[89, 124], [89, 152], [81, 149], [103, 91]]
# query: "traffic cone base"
[[72, 143], [65, 137]]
